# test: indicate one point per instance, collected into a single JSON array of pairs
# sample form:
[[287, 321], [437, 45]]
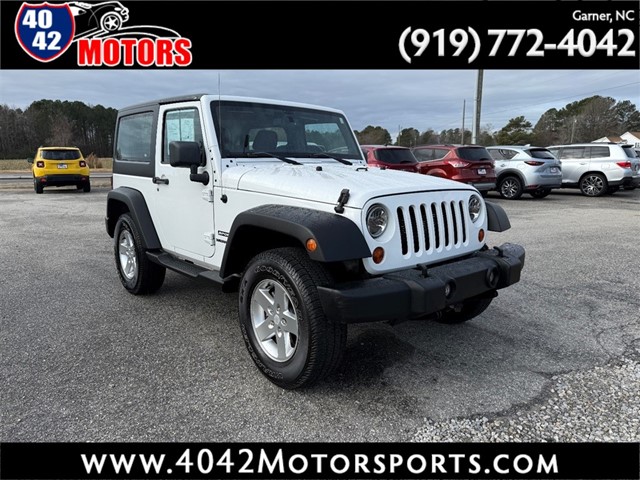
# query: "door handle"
[[158, 180]]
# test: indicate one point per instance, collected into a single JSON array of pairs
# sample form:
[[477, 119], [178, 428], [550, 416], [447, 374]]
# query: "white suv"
[[598, 168], [274, 200]]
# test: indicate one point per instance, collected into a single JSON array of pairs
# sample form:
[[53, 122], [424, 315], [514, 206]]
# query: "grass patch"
[[21, 165]]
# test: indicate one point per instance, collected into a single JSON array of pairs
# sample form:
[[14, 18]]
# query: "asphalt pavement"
[[83, 360]]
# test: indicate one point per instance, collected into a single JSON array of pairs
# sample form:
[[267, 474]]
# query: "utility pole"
[[478, 108], [464, 104]]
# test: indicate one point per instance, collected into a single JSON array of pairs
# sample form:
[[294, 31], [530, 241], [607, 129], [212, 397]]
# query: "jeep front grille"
[[430, 227]]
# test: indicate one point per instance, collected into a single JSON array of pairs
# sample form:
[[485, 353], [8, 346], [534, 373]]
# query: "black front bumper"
[[420, 292]]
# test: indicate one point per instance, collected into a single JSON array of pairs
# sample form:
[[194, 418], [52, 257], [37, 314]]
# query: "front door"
[[185, 208]]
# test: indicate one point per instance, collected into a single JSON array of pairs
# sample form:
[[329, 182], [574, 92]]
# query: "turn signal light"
[[40, 164], [378, 255], [312, 245], [83, 163], [481, 235]]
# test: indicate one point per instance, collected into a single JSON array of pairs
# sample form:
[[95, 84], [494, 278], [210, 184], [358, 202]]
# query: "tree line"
[[91, 127], [56, 123], [577, 122]]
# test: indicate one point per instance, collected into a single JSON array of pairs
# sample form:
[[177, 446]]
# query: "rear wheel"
[[540, 193], [37, 186], [284, 327], [593, 185], [510, 187], [470, 309], [137, 274], [86, 187]]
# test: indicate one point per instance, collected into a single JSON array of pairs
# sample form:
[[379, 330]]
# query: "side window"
[[495, 154], [180, 126], [556, 152], [423, 154], [439, 153], [574, 152], [135, 138], [599, 152], [508, 154]]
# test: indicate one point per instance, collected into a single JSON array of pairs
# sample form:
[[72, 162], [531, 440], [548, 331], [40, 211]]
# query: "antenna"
[[220, 113]]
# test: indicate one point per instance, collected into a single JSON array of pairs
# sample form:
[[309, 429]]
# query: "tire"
[[593, 185], [510, 187], [110, 22], [86, 187], [37, 186], [283, 325], [470, 309], [137, 274], [540, 193]]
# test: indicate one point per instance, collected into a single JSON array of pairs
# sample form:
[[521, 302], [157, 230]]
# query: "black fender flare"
[[337, 237], [497, 218], [133, 202]]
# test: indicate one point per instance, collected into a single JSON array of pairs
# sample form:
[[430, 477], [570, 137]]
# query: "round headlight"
[[377, 220], [475, 207]]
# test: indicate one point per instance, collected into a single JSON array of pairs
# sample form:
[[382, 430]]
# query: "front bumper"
[[416, 293]]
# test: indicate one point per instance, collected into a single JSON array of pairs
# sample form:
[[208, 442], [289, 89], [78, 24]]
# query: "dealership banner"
[[320, 460], [320, 35]]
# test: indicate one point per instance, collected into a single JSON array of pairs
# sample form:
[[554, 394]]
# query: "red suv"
[[395, 158], [470, 164]]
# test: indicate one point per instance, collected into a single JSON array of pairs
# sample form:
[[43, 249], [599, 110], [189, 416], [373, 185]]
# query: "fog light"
[[492, 277], [449, 289], [481, 235], [378, 255]]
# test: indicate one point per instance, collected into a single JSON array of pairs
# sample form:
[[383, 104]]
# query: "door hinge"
[[207, 195], [209, 238]]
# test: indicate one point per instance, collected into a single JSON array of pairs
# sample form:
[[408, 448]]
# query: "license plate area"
[[553, 169], [482, 171], [62, 165]]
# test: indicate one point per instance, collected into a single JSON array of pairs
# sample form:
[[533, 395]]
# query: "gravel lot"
[[556, 357]]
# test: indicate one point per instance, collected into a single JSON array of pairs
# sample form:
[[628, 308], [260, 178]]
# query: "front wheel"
[[137, 274], [469, 309], [510, 188], [593, 185], [284, 327]]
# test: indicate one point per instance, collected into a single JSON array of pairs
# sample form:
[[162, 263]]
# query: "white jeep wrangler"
[[275, 200]]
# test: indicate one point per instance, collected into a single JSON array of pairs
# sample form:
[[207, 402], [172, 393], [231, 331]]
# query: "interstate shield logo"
[[44, 30]]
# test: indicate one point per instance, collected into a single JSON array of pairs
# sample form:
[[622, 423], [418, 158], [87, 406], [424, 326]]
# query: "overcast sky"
[[402, 98]]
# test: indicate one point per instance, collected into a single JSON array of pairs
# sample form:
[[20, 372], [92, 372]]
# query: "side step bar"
[[183, 267]]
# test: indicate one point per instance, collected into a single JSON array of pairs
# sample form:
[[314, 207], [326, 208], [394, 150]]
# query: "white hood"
[[324, 186]]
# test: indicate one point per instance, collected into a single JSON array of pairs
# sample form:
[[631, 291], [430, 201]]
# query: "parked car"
[[521, 169], [395, 158], [59, 166], [598, 168], [471, 164]]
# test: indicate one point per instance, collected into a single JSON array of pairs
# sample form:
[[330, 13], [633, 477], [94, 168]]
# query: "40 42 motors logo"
[[102, 35]]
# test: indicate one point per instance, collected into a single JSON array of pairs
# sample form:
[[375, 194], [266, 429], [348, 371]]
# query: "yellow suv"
[[59, 166]]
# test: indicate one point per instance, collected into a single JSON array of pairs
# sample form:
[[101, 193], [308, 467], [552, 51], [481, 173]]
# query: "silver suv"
[[521, 169], [598, 168]]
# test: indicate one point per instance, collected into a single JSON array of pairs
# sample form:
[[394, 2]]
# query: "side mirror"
[[188, 154], [185, 154], [29, 160]]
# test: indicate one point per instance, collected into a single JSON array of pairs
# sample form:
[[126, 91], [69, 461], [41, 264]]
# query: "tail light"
[[533, 163], [40, 164], [83, 163], [458, 163], [626, 164]]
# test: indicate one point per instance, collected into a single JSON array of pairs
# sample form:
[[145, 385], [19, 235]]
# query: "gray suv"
[[521, 169], [598, 168]]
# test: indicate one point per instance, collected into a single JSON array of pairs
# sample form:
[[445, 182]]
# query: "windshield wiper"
[[325, 155], [267, 154]]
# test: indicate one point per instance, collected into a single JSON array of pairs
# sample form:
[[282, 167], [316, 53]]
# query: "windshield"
[[395, 155], [541, 153], [60, 154], [474, 154], [245, 129]]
